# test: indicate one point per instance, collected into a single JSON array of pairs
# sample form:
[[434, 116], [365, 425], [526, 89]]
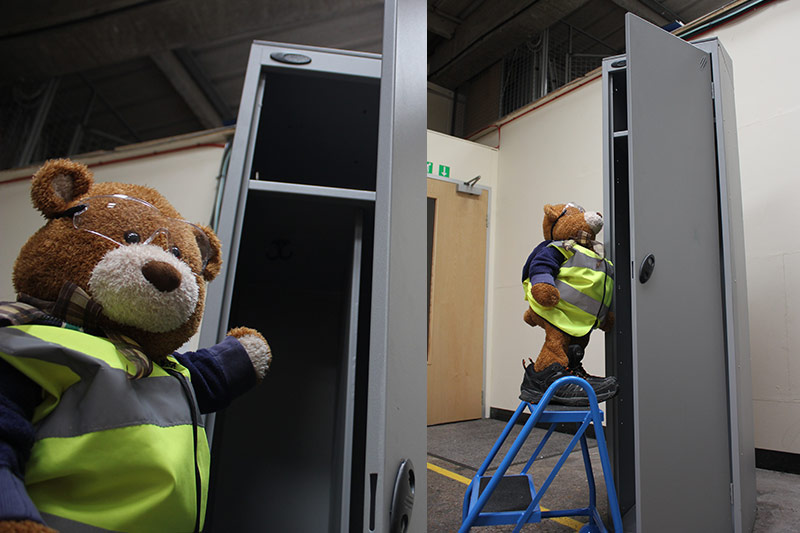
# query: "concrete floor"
[[456, 451]]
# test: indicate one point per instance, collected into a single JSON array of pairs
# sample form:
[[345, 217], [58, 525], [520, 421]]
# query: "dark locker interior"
[[620, 362], [323, 130]]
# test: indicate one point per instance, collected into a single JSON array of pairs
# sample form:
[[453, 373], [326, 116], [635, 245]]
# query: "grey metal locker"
[[322, 223], [681, 430]]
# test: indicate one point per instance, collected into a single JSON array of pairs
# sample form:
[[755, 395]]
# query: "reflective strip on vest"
[[583, 280], [123, 447], [64, 525]]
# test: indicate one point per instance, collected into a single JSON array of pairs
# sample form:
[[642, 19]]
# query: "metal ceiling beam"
[[35, 133], [194, 69], [661, 9], [39, 15], [111, 109], [441, 24], [637, 8], [489, 33], [186, 87]]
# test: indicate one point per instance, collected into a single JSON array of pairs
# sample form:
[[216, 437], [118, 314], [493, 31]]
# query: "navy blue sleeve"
[[15, 504], [219, 373], [543, 264], [19, 396]]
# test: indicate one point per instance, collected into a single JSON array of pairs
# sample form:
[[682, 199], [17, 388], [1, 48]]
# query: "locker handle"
[[647, 267], [402, 498]]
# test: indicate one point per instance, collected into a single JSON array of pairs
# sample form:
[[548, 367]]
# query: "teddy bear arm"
[[226, 370]]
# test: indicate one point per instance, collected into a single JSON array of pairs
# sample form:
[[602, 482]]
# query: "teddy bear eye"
[[175, 251], [131, 237]]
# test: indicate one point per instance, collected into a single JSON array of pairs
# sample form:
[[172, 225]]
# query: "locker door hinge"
[[487, 221], [731, 493]]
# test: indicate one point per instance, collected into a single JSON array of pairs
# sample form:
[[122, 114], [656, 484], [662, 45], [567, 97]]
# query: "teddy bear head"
[[125, 246], [570, 221]]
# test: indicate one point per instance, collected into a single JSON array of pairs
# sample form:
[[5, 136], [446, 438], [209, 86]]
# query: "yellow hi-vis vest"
[[586, 284], [110, 453]]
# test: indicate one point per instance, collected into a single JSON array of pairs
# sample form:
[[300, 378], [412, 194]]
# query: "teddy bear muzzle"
[[594, 220], [144, 286]]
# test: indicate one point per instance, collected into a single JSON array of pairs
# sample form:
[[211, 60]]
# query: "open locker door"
[[681, 427]]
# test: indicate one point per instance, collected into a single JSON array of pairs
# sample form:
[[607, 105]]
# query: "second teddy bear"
[[569, 285]]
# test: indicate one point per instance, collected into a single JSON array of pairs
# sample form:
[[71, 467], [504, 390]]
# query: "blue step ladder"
[[516, 499]]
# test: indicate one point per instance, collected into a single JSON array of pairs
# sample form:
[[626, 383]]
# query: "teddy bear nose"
[[163, 276]]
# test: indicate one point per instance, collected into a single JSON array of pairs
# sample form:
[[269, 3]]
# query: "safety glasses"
[[146, 224]]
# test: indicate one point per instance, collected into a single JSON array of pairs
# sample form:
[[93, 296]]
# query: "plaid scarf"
[[73, 309], [586, 240]]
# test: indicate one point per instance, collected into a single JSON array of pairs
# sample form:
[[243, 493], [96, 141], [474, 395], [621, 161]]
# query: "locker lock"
[[403, 498]]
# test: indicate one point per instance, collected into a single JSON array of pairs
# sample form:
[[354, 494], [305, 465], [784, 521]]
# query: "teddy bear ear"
[[214, 262], [552, 212], [57, 184]]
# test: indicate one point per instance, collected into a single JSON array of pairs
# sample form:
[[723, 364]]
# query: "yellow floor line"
[[569, 522]]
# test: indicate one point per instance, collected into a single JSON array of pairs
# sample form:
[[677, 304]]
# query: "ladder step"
[[513, 493]]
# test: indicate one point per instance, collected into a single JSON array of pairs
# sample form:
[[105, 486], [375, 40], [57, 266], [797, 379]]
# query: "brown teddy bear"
[[100, 421], [569, 285]]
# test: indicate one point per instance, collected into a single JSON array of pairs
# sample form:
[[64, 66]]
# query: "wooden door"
[[457, 243]]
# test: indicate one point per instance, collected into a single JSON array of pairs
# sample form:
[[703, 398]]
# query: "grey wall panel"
[[681, 411]]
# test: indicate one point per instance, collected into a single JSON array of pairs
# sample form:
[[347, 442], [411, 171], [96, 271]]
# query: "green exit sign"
[[443, 170]]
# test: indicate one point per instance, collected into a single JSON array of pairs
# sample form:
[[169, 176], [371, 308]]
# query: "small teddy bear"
[[569, 285], [100, 418]]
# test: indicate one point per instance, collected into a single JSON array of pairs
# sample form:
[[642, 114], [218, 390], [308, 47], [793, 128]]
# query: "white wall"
[[762, 46], [466, 160], [553, 153]]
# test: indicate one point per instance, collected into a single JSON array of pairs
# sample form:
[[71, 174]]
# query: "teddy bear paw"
[[257, 349], [546, 294], [608, 324]]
